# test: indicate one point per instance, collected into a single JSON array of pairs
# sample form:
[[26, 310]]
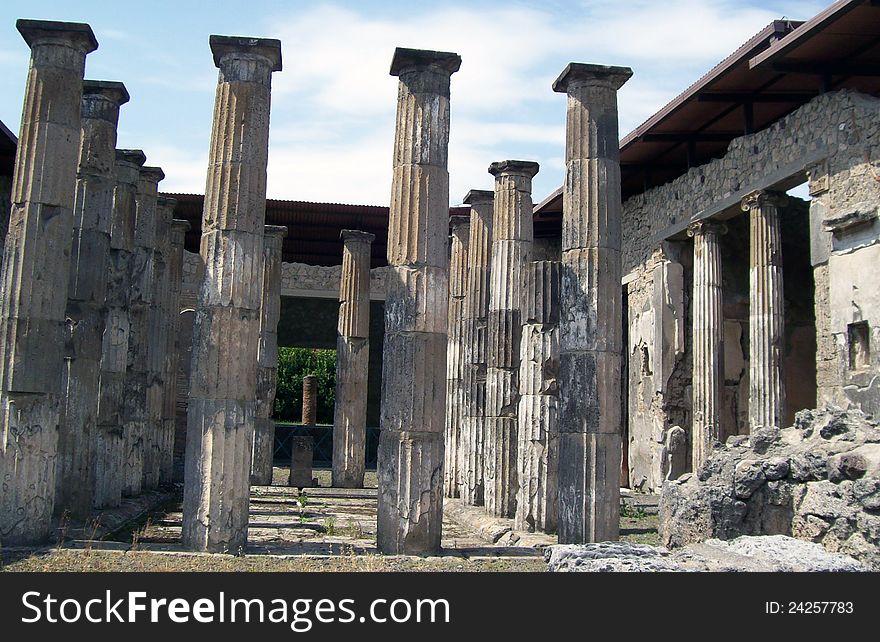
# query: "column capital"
[[109, 90], [44, 32], [166, 201], [238, 46], [478, 196], [762, 198], [517, 167], [424, 60], [458, 222], [577, 74], [277, 231], [357, 236], [152, 174], [131, 157], [181, 224], [707, 226]]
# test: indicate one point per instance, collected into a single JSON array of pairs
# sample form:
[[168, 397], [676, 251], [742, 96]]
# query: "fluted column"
[[411, 448], [110, 454], [267, 355], [177, 239], [35, 276], [455, 348], [476, 312], [707, 339], [352, 361], [223, 384], [766, 311], [141, 452], [538, 428], [512, 238], [590, 325], [86, 311]]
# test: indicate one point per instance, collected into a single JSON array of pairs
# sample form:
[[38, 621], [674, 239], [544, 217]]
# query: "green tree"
[[293, 365]]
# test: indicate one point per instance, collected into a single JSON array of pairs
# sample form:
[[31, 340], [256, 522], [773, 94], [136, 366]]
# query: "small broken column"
[[222, 404], [476, 312], [766, 310], [512, 238], [538, 428], [141, 447], [310, 400], [708, 339], [302, 446], [267, 356], [173, 348], [86, 311], [110, 469], [410, 496], [590, 325], [352, 361], [455, 352], [35, 276]]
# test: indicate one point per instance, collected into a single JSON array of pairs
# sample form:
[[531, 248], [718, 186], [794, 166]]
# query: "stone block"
[[416, 299], [301, 454], [414, 382], [589, 393]]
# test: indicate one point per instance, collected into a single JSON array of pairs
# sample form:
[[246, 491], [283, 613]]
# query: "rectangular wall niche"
[[859, 345]]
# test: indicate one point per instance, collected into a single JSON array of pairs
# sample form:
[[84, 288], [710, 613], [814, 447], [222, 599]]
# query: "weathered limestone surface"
[[35, 276], [141, 462], [411, 448], [86, 311], [352, 361], [538, 428], [476, 318], [223, 384], [590, 300], [267, 356], [455, 358], [512, 237], [309, 401], [174, 348], [302, 449], [110, 455], [766, 311], [818, 480], [708, 339]]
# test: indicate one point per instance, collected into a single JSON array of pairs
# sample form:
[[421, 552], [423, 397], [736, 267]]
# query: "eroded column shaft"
[[223, 384], [352, 361], [35, 276], [766, 311], [511, 249], [538, 428], [267, 356], [476, 312], [110, 454], [410, 496], [86, 311], [708, 340], [590, 326], [455, 354]]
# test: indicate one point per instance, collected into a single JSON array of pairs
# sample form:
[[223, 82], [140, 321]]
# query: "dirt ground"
[[316, 529]]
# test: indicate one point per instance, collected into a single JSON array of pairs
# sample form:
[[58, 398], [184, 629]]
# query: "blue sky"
[[333, 104]]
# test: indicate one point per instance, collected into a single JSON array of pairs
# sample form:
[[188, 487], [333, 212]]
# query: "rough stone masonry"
[[411, 448], [223, 382]]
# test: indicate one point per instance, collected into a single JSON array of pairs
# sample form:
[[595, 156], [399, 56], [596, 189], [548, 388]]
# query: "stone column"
[[476, 312], [410, 499], [538, 427], [141, 452], [766, 311], [708, 339], [310, 401], [590, 325], [267, 355], [512, 238], [223, 388], [110, 457], [35, 275], [455, 349], [173, 348], [352, 361], [86, 312]]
